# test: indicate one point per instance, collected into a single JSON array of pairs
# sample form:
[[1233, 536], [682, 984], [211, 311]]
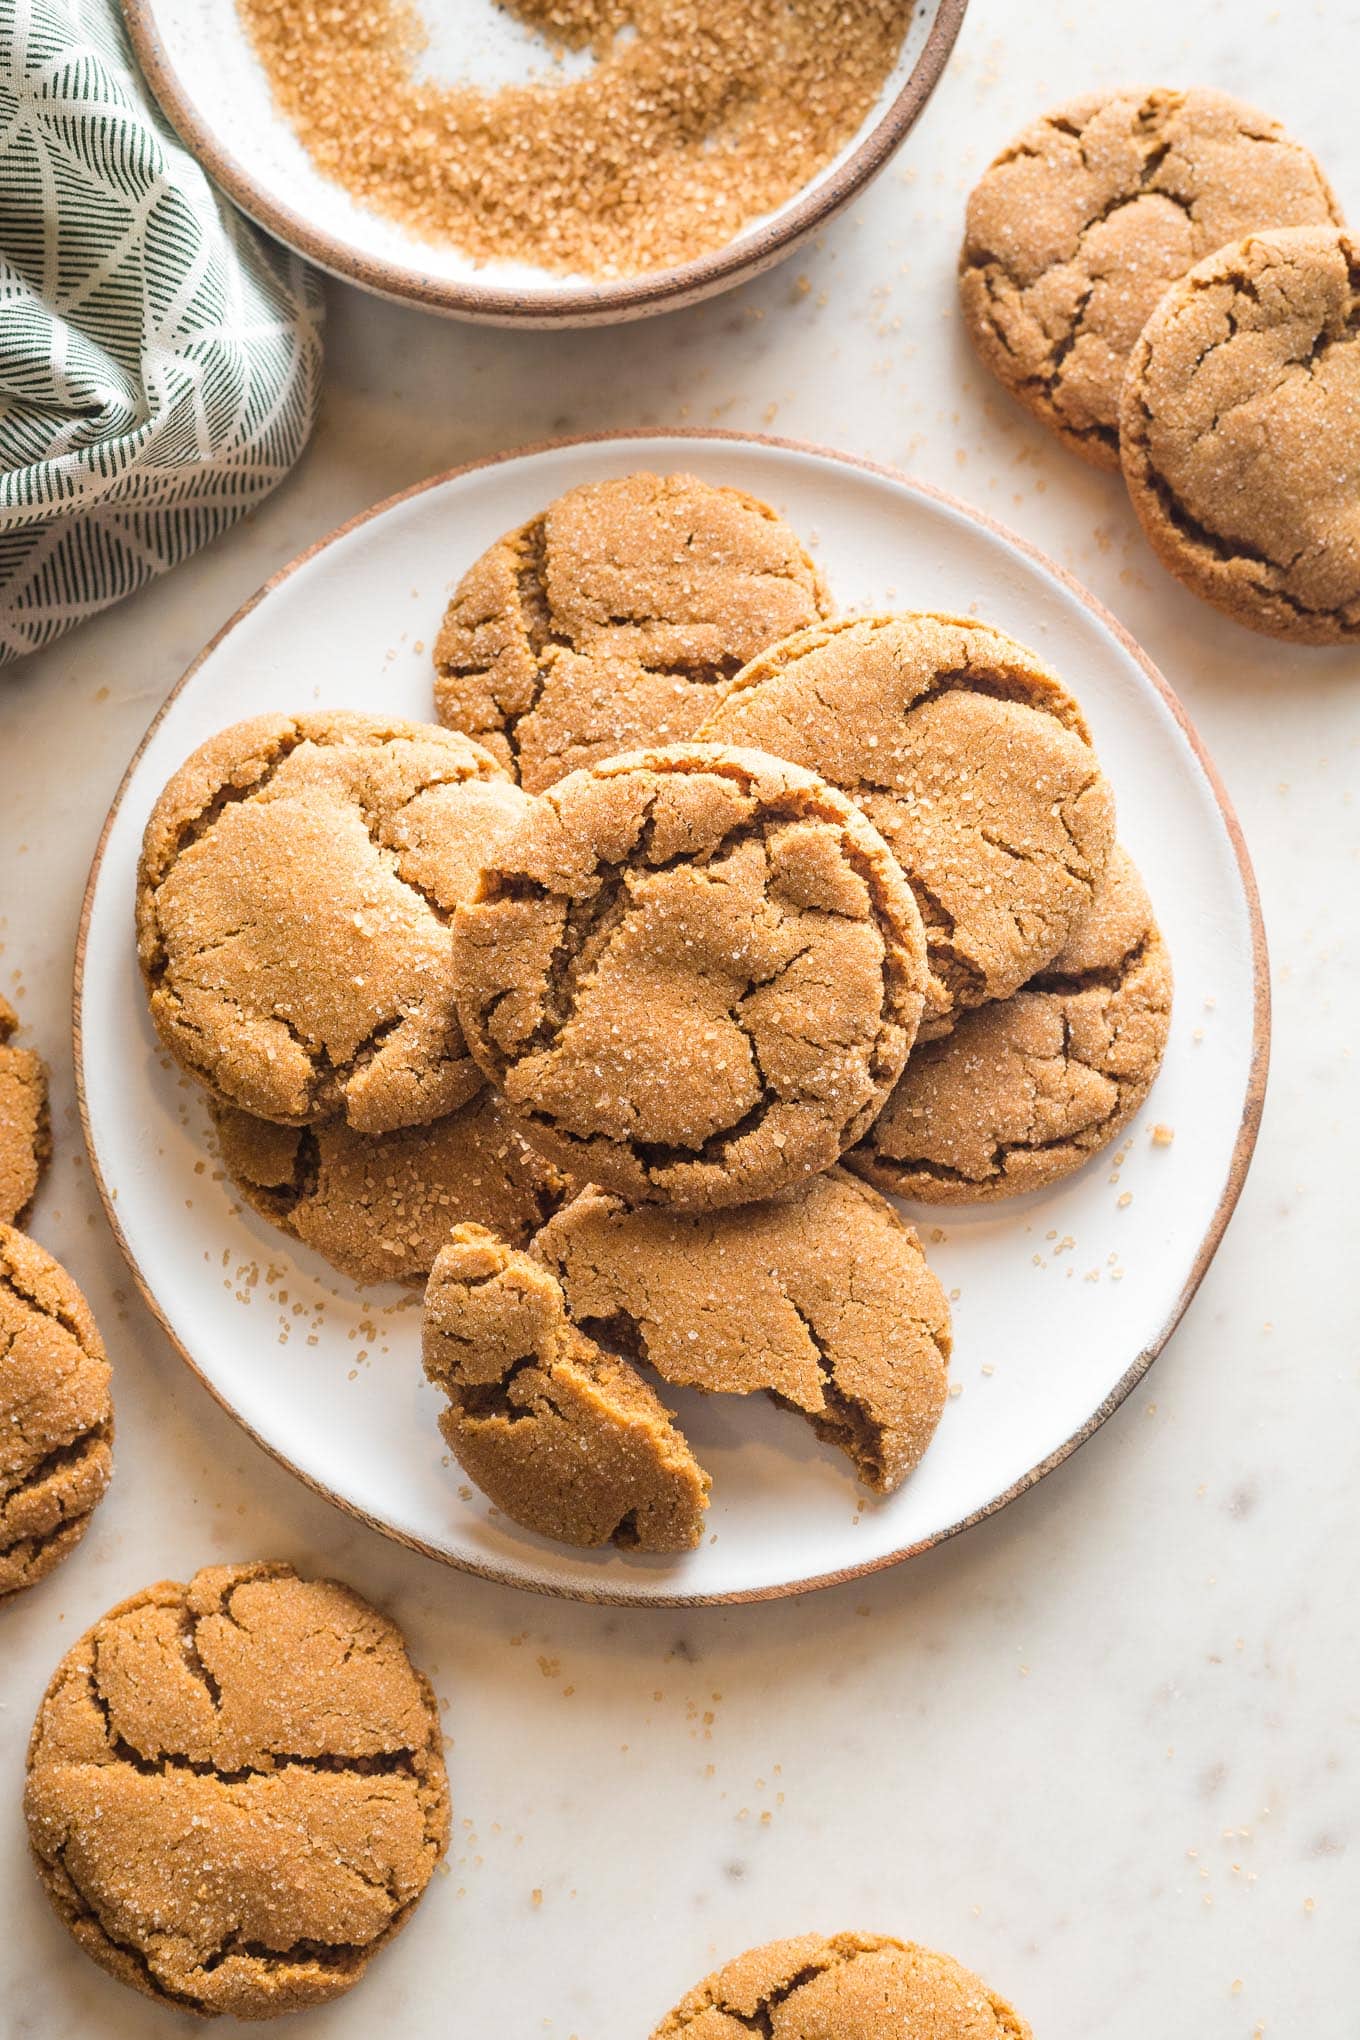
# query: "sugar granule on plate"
[[707, 114]]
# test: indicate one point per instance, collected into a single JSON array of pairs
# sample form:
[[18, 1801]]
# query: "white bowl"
[[200, 64]]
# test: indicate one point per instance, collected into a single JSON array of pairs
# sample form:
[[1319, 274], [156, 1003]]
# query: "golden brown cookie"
[[971, 760], [601, 625], [297, 879], [845, 1987], [236, 1790], [1024, 1091], [567, 1440], [379, 1206], [1240, 433], [56, 1420], [695, 974], [25, 1128], [822, 1298], [1081, 224]]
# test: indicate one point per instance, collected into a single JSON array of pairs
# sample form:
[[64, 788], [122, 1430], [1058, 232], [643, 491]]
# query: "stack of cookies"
[[608, 1007], [1165, 280]]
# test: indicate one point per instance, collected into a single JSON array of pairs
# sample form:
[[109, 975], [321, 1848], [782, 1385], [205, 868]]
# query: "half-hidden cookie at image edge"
[[296, 881], [56, 1418], [566, 1439], [604, 624], [25, 1125], [843, 1987], [1078, 227], [1024, 1091], [236, 1790], [694, 974], [972, 761], [379, 1206], [822, 1299], [1240, 433]]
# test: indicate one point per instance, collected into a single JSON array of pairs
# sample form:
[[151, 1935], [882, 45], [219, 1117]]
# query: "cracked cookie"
[[973, 763], [1240, 433], [695, 974], [843, 1987], [822, 1299], [601, 625], [25, 1128], [1024, 1091], [56, 1420], [1078, 227], [566, 1439], [380, 1206], [236, 1791], [297, 880]]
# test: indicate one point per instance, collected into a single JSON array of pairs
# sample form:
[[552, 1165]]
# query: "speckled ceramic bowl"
[[199, 62]]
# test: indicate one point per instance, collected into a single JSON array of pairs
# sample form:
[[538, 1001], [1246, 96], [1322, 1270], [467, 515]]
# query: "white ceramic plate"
[[1063, 1297], [199, 62]]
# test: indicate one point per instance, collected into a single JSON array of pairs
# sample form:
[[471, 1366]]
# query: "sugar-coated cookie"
[[296, 882], [1240, 433], [603, 624], [236, 1790], [843, 1987], [694, 974], [972, 761], [822, 1298], [379, 1206], [564, 1438], [1024, 1091], [1080, 225]]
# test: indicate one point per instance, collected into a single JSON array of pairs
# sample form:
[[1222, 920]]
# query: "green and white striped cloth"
[[159, 359]]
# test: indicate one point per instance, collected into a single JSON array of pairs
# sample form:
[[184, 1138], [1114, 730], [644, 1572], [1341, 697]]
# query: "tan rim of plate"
[[1243, 1146], [590, 305]]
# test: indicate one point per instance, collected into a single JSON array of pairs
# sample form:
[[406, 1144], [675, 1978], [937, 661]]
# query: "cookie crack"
[[1104, 977], [25, 1551], [198, 824], [189, 1643], [71, 1455], [1228, 551], [760, 2019], [847, 1421], [55, 1312], [381, 1764], [483, 1400], [303, 1953]]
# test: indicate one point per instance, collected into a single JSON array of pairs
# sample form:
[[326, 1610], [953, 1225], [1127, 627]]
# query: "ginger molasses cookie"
[[971, 760], [566, 1439], [1240, 433], [602, 625], [694, 973], [297, 880], [236, 1790], [822, 1298], [1026, 1090], [25, 1128], [379, 1206], [1080, 225], [56, 1420], [844, 1987]]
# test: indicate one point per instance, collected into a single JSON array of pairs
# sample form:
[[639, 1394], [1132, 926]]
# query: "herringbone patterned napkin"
[[159, 360]]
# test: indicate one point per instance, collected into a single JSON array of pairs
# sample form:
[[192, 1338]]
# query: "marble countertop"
[[1104, 1747]]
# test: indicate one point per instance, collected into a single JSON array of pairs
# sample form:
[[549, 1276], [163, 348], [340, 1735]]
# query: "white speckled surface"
[[1103, 1748]]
